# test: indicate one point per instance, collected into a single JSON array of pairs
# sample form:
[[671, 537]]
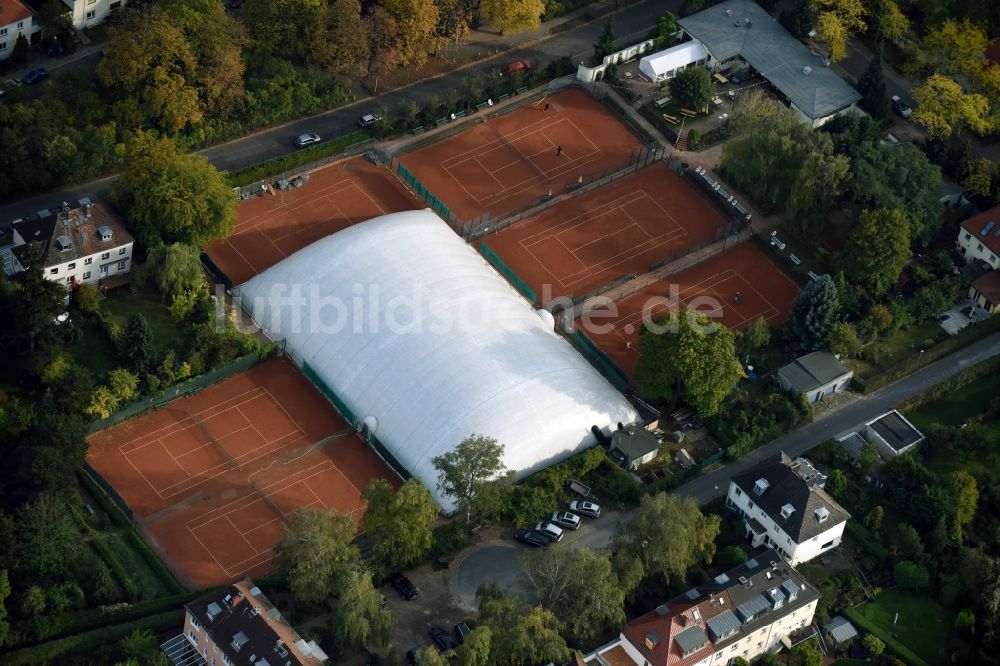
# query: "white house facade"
[[15, 20], [84, 245], [979, 238], [784, 511], [88, 13]]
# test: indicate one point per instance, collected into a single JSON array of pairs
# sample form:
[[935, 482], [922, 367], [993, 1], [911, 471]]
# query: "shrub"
[[612, 484], [694, 137], [449, 539]]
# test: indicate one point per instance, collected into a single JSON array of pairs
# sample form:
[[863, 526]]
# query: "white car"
[[367, 120], [901, 107], [566, 520], [549, 530], [307, 139], [585, 508]]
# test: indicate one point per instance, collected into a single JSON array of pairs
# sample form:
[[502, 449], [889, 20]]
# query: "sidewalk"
[[54, 64]]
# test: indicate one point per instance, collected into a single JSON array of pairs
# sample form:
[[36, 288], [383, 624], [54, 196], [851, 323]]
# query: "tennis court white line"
[[329, 190], [536, 126]]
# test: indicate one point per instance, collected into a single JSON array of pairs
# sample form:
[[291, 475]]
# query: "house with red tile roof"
[[979, 240], [15, 20]]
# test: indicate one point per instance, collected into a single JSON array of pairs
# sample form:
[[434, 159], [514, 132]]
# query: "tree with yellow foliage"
[[510, 16], [838, 21], [943, 107]]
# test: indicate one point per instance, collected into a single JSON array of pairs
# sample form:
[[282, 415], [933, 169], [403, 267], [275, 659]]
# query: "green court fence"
[[508, 272], [112, 494], [216, 272], [600, 360], [187, 387], [421, 191], [330, 394]]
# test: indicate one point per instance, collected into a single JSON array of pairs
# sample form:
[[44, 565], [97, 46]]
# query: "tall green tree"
[[836, 484], [173, 197], [359, 617], [417, 22], [140, 645], [605, 45], [877, 250], [944, 107], [690, 358], [402, 520], [911, 575], [47, 540], [692, 88], [287, 28], [475, 649], [177, 269], [664, 31], [814, 311], [467, 473], [511, 16], [667, 536], [579, 586], [316, 553], [31, 303], [871, 85], [521, 635], [965, 495], [755, 336], [136, 349], [843, 340]]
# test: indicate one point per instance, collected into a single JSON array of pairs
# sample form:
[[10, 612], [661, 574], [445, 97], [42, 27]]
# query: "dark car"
[[532, 538], [461, 631], [407, 590], [36, 76], [443, 639]]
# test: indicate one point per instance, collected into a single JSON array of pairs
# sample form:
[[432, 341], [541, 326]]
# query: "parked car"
[[443, 639], [517, 66], [901, 107], [461, 631], [307, 139], [532, 538], [583, 508], [404, 586], [9, 85], [566, 520], [368, 120], [551, 531], [36, 76]]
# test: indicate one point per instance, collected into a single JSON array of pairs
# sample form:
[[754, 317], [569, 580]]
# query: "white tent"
[[666, 64], [427, 344]]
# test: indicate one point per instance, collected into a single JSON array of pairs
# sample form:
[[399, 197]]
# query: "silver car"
[[307, 139], [585, 508], [566, 520], [549, 530]]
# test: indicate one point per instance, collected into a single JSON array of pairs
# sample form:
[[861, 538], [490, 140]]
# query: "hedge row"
[[901, 650], [866, 539], [119, 519], [299, 158], [88, 641], [110, 557]]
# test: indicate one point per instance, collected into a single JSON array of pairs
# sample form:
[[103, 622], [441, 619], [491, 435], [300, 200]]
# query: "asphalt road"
[[500, 561], [631, 22]]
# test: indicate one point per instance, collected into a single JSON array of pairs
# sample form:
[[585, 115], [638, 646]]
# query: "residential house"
[[815, 375], [738, 34], [237, 625], [15, 19], [632, 446], [892, 434], [783, 510], [88, 13], [83, 245], [760, 606], [979, 238], [984, 291]]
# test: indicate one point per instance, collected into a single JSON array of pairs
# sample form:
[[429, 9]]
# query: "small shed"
[[637, 446], [893, 434], [815, 375], [666, 64], [840, 631]]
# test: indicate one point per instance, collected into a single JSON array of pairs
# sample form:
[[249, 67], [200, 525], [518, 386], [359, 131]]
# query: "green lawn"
[[899, 347], [956, 408], [924, 626], [121, 305]]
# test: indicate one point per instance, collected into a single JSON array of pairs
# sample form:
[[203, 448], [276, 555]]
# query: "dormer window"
[[760, 486], [64, 243], [822, 514], [104, 233], [213, 611], [652, 640], [787, 511], [239, 640]]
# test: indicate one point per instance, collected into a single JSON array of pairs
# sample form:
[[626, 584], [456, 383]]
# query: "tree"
[[47, 540], [843, 340], [122, 387], [606, 44], [511, 16], [871, 85], [953, 48], [417, 22], [808, 653], [836, 484], [754, 336], [140, 645], [965, 623], [135, 347], [730, 557], [692, 88], [316, 552], [287, 28], [838, 21], [4, 594], [33, 601], [889, 21], [911, 575], [359, 617], [402, 520], [965, 494], [475, 649], [943, 108], [172, 197], [900, 177], [879, 318], [176, 268], [19, 56], [663, 33], [429, 656], [873, 521], [873, 644], [86, 298], [868, 457], [454, 17], [466, 473], [579, 586], [520, 635], [814, 311], [877, 250], [667, 536], [31, 303], [688, 358]]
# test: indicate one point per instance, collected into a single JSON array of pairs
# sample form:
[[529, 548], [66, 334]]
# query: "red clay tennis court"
[[272, 226], [618, 229], [710, 287], [212, 476], [516, 158]]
